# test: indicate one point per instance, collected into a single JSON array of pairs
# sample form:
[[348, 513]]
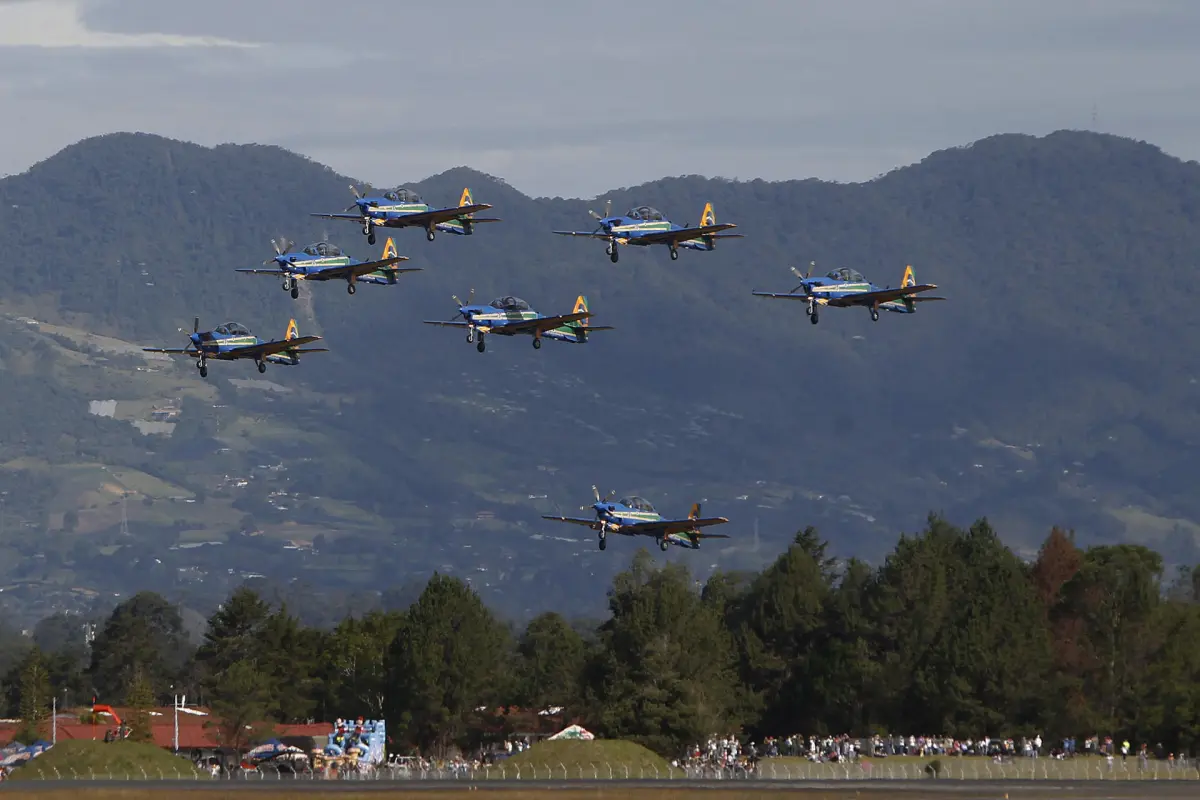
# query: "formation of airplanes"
[[509, 315]]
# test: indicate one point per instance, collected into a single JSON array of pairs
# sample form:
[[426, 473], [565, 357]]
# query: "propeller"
[[357, 196], [607, 210], [811, 266], [460, 304], [282, 248]]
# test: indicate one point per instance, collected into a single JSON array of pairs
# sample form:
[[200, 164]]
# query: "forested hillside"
[[1055, 385]]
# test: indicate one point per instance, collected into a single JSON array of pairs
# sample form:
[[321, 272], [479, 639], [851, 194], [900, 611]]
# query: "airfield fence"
[[963, 769]]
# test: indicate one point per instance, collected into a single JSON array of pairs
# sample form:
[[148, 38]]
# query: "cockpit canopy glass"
[[232, 329], [402, 195], [645, 214], [323, 249], [637, 503], [846, 274], [510, 303]]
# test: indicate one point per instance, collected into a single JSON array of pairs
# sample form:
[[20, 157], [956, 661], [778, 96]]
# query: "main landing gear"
[[662, 543], [874, 315], [537, 343], [613, 254], [674, 254], [262, 366], [480, 346], [369, 232], [351, 288], [429, 234]]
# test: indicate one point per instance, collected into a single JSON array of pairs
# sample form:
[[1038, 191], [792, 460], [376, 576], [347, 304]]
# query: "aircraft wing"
[[590, 523], [365, 268], [542, 324], [435, 216], [267, 348], [354, 217], [445, 323], [663, 527], [880, 296], [682, 235], [591, 234], [174, 351], [782, 295], [276, 272]]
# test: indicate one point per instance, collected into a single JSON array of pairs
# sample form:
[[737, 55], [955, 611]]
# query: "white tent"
[[574, 732]]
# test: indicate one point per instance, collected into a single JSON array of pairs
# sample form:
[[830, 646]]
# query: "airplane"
[[645, 226], [232, 341], [509, 316], [634, 516], [322, 261], [403, 208], [847, 287]]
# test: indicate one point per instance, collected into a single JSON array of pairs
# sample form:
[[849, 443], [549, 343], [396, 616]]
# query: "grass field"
[[599, 758], [85, 759]]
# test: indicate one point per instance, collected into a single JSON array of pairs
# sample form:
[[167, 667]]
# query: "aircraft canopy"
[[637, 503], [645, 213], [846, 274], [402, 195], [510, 303], [232, 329], [323, 249]]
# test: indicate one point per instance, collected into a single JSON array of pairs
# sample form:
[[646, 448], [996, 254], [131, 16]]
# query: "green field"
[[91, 760]]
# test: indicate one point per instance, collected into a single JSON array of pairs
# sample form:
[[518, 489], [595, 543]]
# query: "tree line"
[[953, 634]]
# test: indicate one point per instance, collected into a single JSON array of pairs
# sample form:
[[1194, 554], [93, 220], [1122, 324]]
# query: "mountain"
[[1054, 387]]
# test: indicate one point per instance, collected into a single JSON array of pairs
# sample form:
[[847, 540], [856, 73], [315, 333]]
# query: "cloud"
[[61, 24]]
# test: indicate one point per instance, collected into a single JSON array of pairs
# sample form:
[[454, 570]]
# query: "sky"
[[567, 98]]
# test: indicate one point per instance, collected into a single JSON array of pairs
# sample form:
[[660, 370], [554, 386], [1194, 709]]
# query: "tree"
[[551, 658], [448, 658], [663, 674], [240, 699], [146, 633], [1057, 562], [357, 662], [35, 697], [140, 699]]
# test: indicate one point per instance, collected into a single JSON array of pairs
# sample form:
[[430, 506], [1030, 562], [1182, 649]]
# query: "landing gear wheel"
[[262, 366], [351, 288], [874, 315], [429, 234], [481, 346], [470, 336], [371, 236], [203, 371], [674, 254], [613, 255], [603, 543], [295, 290], [662, 544], [813, 317], [537, 344]]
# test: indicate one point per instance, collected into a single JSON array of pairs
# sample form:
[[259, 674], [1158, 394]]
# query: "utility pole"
[[175, 736], [53, 719]]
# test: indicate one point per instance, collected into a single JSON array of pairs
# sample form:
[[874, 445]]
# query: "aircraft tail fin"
[[389, 250], [293, 332], [695, 512], [466, 199], [581, 305], [909, 278], [708, 217]]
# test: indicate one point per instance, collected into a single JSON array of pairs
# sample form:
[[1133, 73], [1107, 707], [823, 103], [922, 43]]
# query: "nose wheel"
[[203, 369], [813, 317], [370, 232], [613, 254], [470, 335]]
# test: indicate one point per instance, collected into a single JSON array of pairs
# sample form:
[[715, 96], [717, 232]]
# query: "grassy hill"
[[589, 759], [120, 760], [1055, 386]]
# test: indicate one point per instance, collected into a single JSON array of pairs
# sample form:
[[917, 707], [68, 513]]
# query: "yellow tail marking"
[[909, 278], [709, 217], [292, 332], [695, 512], [466, 200], [389, 249], [580, 305]]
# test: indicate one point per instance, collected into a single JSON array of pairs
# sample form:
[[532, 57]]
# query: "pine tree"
[[140, 697], [35, 697]]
